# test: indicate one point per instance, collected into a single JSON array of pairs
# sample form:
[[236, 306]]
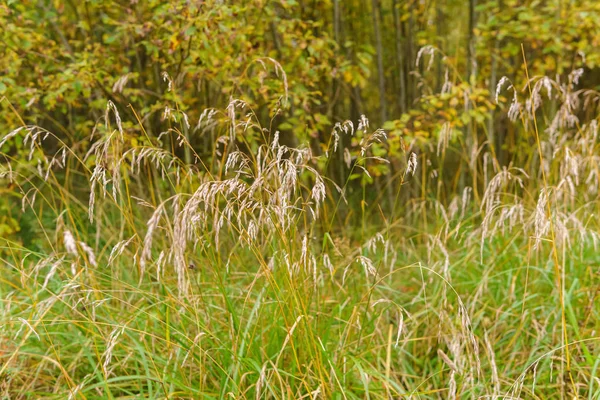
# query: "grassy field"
[[256, 276], [300, 199]]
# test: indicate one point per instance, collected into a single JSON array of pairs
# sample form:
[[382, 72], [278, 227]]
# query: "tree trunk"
[[472, 66], [471, 75], [491, 128], [379, 48], [411, 81], [400, 57]]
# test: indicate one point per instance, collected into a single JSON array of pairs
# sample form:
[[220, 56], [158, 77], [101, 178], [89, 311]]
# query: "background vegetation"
[[299, 199]]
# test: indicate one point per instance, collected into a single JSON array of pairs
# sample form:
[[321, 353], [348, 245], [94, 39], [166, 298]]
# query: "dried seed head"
[[70, 244], [90, 253], [411, 166], [167, 78], [120, 83], [426, 50], [499, 86], [111, 106], [367, 265]]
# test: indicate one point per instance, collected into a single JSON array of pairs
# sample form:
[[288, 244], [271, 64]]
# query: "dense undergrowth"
[[193, 205], [252, 272]]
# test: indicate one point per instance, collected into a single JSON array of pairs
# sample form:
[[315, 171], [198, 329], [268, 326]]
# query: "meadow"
[[241, 249]]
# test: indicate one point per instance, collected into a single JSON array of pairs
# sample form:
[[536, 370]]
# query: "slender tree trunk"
[[336, 20], [493, 144], [333, 109], [472, 66], [471, 76], [411, 55], [439, 15], [379, 48], [356, 106], [400, 57], [376, 5], [339, 156]]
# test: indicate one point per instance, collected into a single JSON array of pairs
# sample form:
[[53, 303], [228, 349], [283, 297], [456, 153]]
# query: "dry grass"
[[244, 271]]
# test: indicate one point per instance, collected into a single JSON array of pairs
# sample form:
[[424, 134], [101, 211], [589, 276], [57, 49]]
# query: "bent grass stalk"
[[557, 269]]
